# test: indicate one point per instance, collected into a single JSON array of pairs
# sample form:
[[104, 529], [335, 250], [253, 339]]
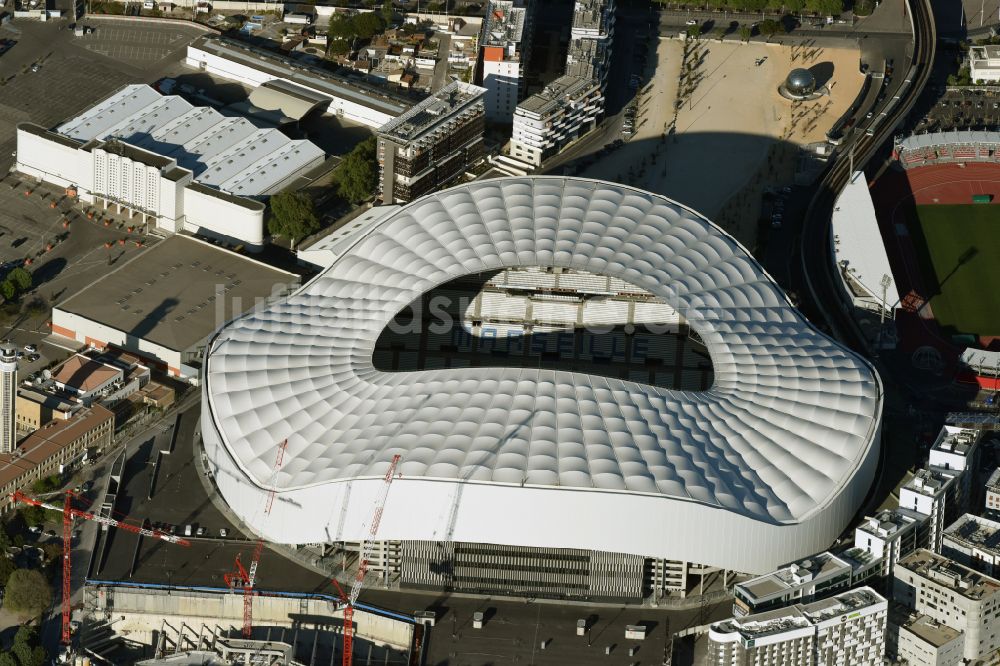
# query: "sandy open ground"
[[734, 133]]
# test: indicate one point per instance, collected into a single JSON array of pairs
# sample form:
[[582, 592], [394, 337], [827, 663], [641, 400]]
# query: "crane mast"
[[367, 548], [69, 513]]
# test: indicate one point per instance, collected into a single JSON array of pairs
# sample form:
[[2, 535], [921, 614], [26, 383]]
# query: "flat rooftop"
[[167, 294], [950, 574], [930, 631], [928, 482], [956, 440], [566, 88], [423, 118], [504, 23], [368, 95], [794, 575], [975, 532], [590, 15], [885, 522]]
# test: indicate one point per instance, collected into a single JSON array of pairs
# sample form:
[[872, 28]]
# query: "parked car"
[[187, 530], [691, 22], [31, 349], [33, 358], [223, 532], [200, 532]]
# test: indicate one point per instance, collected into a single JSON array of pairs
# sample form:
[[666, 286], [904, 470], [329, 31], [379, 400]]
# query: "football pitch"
[[959, 255]]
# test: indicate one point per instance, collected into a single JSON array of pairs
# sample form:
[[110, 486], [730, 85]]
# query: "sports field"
[[960, 257]]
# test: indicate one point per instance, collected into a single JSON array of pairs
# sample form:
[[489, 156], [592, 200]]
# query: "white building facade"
[[8, 399], [168, 164], [984, 63], [504, 47]]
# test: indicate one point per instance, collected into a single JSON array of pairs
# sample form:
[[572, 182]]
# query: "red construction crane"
[[367, 547], [241, 576], [69, 513]]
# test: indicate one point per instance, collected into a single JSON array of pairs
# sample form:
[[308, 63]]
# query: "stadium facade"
[[562, 437]]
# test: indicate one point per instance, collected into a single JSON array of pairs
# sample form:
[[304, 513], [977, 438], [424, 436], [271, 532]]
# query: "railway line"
[[815, 249]]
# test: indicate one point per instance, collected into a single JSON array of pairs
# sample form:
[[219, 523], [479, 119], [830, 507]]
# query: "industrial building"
[[349, 98], [432, 144], [166, 301], [847, 629], [568, 387], [570, 106], [505, 47], [952, 595], [170, 164]]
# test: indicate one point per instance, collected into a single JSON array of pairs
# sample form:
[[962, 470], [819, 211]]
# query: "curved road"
[[815, 251]]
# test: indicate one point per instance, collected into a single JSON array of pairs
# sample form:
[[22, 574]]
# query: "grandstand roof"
[[229, 153], [764, 467], [858, 241], [919, 141]]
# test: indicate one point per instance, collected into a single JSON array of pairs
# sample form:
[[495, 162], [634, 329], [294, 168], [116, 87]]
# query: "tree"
[[357, 176], [21, 279], [47, 484], [694, 31], [293, 215], [745, 33], [33, 515], [27, 592], [339, 47], [769, 27], [340, 27], [7, 659], [28, 646], [367, 25], [387, 13], [7, 289]]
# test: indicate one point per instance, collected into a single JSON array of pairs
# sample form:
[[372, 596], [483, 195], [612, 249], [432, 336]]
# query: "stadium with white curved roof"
[[735, 436]]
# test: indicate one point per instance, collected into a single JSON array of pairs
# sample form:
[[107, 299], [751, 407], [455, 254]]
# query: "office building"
[[432, 144], [923, 641], [975, 542], [951, 594], [847, 629], [956, 451], [504, 47], [8, 399], [798, 582], [984, 63]]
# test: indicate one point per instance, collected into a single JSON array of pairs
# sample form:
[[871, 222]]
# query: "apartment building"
[[991, 500], [951, 594], [570, 106], [53, 447], [975, 542], [432, 144], [566, 109], [846, 629], [927, 493], [984, 63], [504, 49], [955, 451], [887, 536]]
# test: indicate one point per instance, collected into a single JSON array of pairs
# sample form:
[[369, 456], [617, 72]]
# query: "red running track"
[[954, 183]]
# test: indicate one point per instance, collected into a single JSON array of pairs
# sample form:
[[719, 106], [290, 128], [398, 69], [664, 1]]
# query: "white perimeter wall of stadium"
[[234, 71], [423, 508]]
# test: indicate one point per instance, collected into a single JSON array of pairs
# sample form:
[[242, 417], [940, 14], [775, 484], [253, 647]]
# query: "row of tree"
[[825, 7], [293, 214], [16, 283]]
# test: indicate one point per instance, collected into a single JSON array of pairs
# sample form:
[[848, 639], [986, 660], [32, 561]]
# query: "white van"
[[187, 530]]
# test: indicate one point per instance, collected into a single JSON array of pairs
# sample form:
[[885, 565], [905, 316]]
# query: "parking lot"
[[976, 109], [75, 72]]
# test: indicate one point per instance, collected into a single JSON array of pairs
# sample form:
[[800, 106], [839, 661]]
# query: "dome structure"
[[800, 82], [765, 466]]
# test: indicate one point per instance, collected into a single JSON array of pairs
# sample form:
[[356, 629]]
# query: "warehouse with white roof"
[[556, 441], [169, 163]]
